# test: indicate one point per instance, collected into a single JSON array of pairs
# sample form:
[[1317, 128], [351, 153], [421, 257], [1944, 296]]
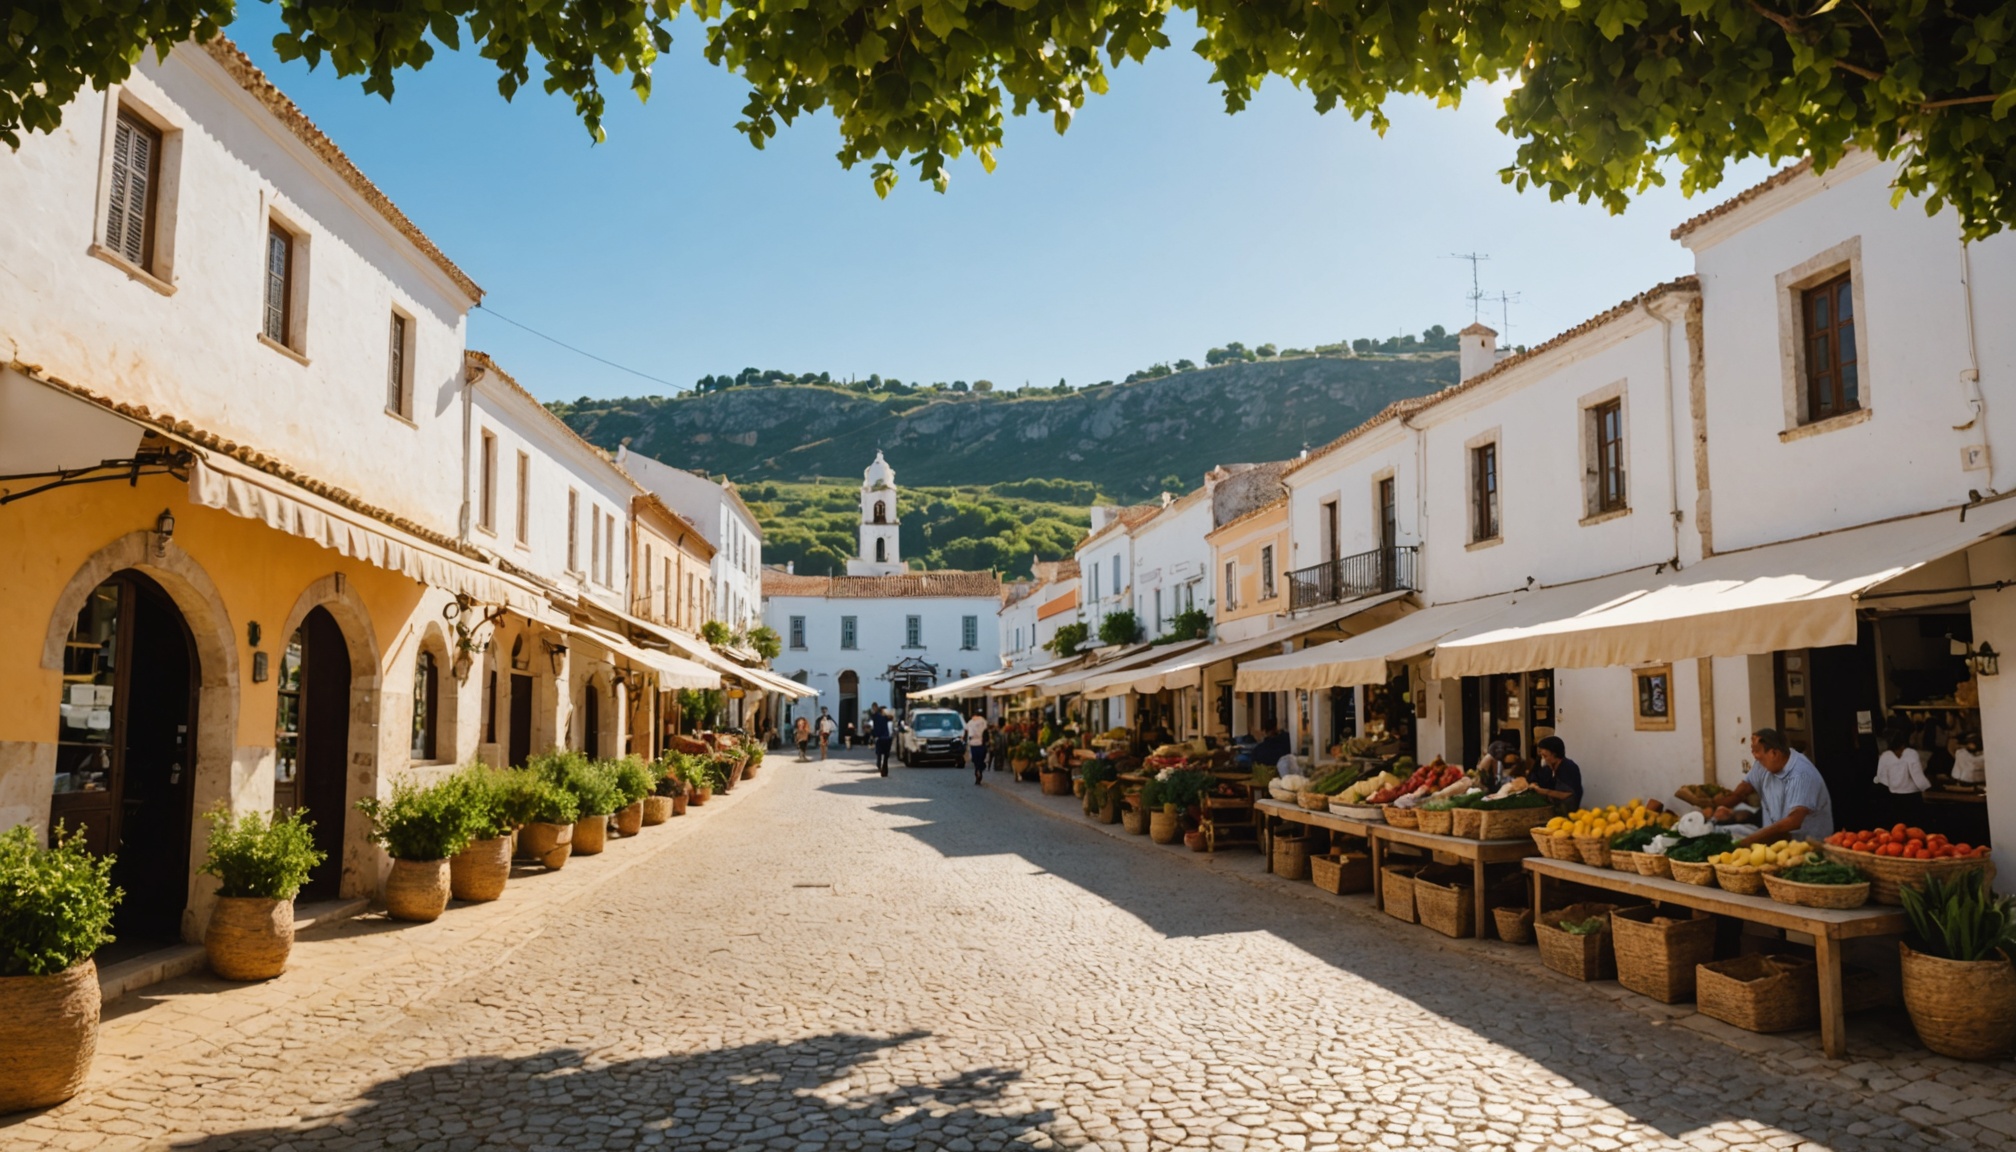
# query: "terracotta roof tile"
[[902, 585], [1124, 518], [1777, 179]]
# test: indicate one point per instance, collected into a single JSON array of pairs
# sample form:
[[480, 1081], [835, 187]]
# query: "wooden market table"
[[1828, 926], [1378, 834]]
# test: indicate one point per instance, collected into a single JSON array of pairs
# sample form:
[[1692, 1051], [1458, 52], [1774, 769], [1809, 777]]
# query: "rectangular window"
[[136, 173], [1158, 612], [1832, 387], [847, 636], [573, 530], [1267, 572], [913, 631], [398, 396], [1116, 575], [1231, 597], [487, 502], [279, 283], [595, 543], [1484, 492], [969, 632], [666, 592], [1609, 419], [524, 497], [797, 632]]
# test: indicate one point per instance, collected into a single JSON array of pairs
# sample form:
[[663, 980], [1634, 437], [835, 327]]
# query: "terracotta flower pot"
[[1961, 1008], [49, 1031], [417, 890], [249, 937], [591, 835], [1194, 840], [479, 871], [1056, 783], [749, 771], [703, 794], [550, 844], [678, 803], [657, 810], [630, 818]]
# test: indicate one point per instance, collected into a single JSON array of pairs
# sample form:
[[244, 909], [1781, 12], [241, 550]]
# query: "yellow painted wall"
[[1241, 542]]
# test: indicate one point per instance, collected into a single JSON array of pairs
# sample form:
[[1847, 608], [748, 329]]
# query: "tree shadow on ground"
[[1658, 1073], [753, 1096]]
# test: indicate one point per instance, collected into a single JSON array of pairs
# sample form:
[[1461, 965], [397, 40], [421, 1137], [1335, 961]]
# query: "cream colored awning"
[[1186, 670], [970, 686], [771, 681], [1030, 677], [672, 672], [1369, 657], [223, 483], [1078, 679], [1799, 594]]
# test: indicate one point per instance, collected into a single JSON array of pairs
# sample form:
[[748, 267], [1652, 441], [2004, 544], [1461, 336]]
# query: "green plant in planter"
[[421, 823], [55, 903], [633, 780], [1121, 627], [542, 801], [592, 784], [1098, 776], [1026, 750], [254, 856], [1185, 788], [1959, 917], [1152, 795]]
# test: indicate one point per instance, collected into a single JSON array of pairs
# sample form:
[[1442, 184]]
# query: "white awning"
[[1075, 680], [44, 429], [220, 482], [970, 686], [1368, 657], [1187, 670], [770, 681], [1030, 677], [671, 670], [1799, 594]]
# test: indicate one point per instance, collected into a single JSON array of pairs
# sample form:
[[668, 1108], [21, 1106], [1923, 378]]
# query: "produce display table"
[[1283, 810], [1828, 926], [1478, 852]]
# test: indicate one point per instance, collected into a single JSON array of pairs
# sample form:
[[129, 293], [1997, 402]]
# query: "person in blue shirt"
[[1555, 776], [878, 727], [1792, 797]]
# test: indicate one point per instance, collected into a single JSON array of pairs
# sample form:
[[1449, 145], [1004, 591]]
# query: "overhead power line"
[[585, 352]]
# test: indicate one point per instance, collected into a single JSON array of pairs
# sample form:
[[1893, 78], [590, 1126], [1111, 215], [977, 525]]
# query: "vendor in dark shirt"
[[1555, 776], [1272, 746]]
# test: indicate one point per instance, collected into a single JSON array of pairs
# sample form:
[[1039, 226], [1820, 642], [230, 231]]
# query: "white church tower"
[[879, 555]]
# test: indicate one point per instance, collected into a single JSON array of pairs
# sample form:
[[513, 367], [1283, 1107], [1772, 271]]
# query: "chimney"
[[790, 567], [1102, 515], [1479, 349]]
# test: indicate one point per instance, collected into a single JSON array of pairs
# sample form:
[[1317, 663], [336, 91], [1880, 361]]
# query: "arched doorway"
[[850, 700], [881, 550], [591, 722], [313, 741], [126, 748]]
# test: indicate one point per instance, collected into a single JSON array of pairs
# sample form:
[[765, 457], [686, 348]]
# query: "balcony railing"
[[1349, 577]]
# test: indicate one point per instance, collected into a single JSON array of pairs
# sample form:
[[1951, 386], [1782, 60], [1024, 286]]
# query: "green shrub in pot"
[[633, 780], [430, 822], [252, 856], [1958, 981], [55, 911]]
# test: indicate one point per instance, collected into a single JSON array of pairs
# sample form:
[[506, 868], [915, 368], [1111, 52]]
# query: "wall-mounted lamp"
[[1983, 661], [556, 653], [460, 667], [164, 531]]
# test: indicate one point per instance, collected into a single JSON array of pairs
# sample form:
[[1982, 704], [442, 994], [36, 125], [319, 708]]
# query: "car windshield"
[[936, 723]]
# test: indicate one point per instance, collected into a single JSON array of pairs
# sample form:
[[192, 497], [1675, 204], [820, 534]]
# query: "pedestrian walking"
[[879, 728], [976, 744], [826, 729], [802, 733]]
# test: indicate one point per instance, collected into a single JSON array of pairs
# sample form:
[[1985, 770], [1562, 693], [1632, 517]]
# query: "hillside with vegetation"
[[1000, 527]]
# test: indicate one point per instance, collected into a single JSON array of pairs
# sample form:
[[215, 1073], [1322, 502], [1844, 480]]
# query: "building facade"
[[735, 594]]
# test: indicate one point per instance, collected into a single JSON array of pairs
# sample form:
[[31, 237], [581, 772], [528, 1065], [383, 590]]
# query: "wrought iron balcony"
[[1349, 577]]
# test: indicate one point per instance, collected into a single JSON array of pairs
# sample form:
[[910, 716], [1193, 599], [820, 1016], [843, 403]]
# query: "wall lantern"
[[1983, 661], [556, 653], [460, 667], [164, 531]]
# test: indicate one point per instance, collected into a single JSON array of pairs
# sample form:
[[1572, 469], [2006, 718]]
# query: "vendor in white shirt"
[[1901, 774], [1968, 765]]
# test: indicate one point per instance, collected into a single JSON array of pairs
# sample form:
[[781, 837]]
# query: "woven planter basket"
[[1515, 925], [1888, 874], [1655, 865], [249, 937], [1962, 1009], [1401, 817], [1657, 951], [479, 871], [49, 1032], [417, 890], [1510, 823], [591, 835], [1165, 827], [1342, 874], [1622, 861], [748, 772], [1435, 821], [1586, 958], [1396, 890], [701, 794], [1742, 879], [630, 819], [690, 745], [1291, 857], [1313, 801], [1594, 850], [1816, 895], [1555, 847], [1056, 783], [1134, 820], [1760, 993], [657, 810], [1700, 875], [1465, 822], [550, 844], [1446, 906]]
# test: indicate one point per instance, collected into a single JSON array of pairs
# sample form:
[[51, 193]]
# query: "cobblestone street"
[[828, 959]]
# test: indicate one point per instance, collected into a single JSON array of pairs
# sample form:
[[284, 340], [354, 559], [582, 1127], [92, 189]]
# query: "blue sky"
[[1155, 228]]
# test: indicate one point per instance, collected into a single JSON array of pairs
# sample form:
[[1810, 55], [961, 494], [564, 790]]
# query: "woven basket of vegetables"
[[1654, 864], [1819, 884], [1313, 801], [1594, 850], [1555, 847], [1742, 879], [1400, 817], [1687, 872], [1575, 941], [1511, 823], [1624, 860], [1465, 822], [1434, 820]]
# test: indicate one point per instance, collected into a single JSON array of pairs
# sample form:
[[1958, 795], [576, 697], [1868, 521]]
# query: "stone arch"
[[433, 639], [222, 773], [335, 594], [881, 512]]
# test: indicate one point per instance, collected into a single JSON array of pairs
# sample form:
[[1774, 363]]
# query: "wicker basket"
[[1960, 1009], [1555, 847], [1594, 850], [1515, 925], [1654, 864], [1134, 818], [1342, 874], [1447, 905], [1401, 817], [1313, 801], [1889, 874], [1370, 812], [1657, 951], [1510, 823], [1465, 822], [1167, 827], [1816, 895], [1760, 993], [1291, 857], [1743, 879], [1583, 958], [49, 1027], [1396, 890], [1688, 872], [1699, 797], [1436, 821], [1623, 861], [249, 937]]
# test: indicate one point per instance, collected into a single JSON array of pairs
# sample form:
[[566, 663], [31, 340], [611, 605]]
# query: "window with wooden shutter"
[[136, 168], [1609, 430], [279, 283], [1484, 492], [487, 504], [524, 497], [396, 392], [1832, 383]]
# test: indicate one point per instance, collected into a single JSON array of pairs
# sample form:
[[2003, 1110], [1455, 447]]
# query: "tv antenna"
[[1476, 296], [1505, 301]]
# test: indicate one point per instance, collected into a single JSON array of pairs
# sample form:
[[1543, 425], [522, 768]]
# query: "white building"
[[1172, 559], [1032, 612], [866, 639], [726, 522]]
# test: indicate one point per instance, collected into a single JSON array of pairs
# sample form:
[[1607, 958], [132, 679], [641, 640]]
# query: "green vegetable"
[[1636, 839], [1516, 800], [1960, 917], [1697, 850], [1823, 872], [1334, 783], [1587, 927]]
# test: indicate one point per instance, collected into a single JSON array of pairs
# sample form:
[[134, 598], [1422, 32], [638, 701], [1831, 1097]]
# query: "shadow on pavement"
[[749, 1096]]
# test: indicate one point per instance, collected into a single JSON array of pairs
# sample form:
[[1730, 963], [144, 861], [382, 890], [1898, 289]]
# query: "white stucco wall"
[[1171, 557], [1350, 476], [1098, 592], [880, 632], [737, 568]]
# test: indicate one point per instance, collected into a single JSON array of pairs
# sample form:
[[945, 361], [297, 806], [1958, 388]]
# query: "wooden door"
[[521, 719], [323, 787]]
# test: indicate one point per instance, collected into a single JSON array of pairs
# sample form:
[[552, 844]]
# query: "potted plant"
[[55, 911], [420, 828], [479, 871], [1959, 983], [633, 783], [260, 865], [1102, 796], [1164, 825], [1056, 772], [701, 777], [755, 761], [548, 812], [658, 806], [594, 787], [1022, 755]]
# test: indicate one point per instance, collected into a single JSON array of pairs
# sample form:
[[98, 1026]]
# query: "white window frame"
[[913, 631], [1592, 479], [796, 630]]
